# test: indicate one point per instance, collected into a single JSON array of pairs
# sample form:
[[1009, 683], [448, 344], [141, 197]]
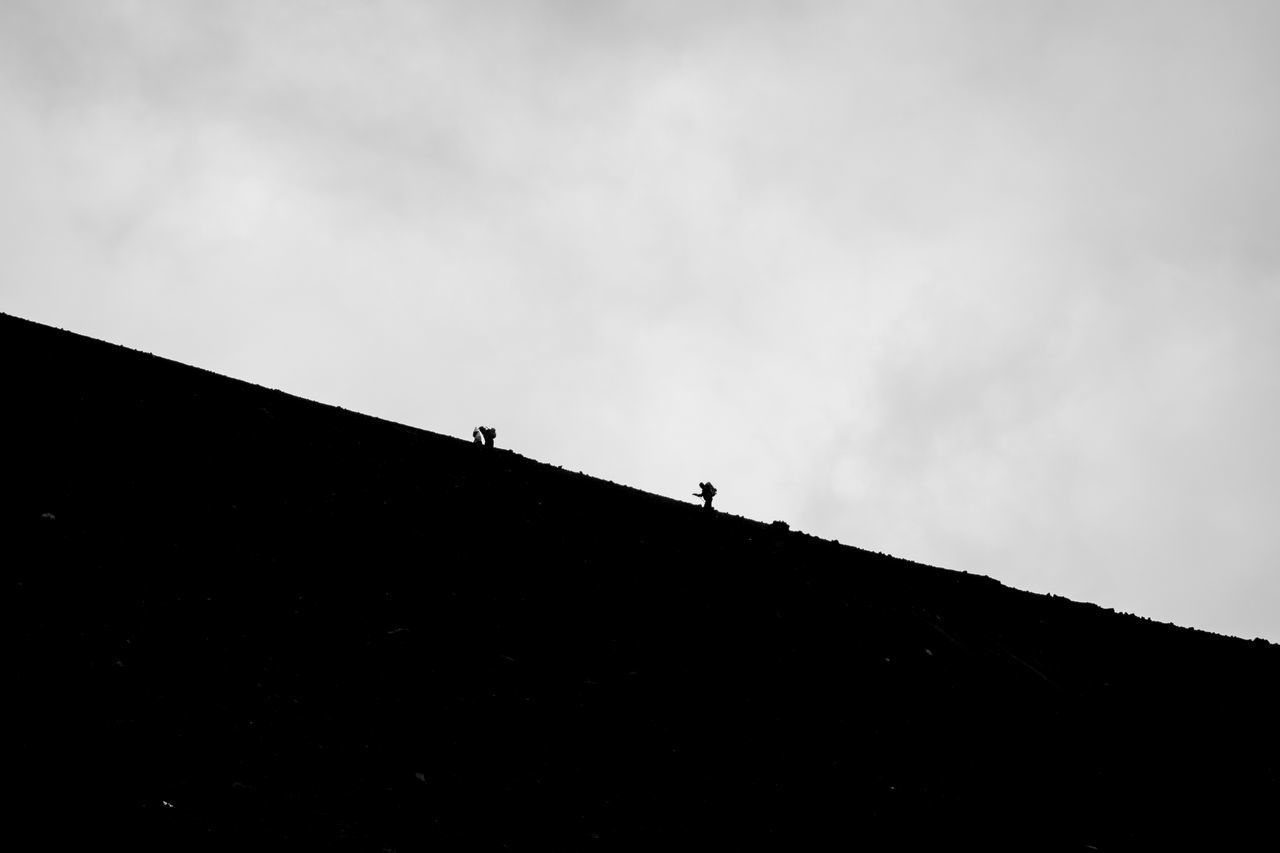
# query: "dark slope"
[[243, 620]]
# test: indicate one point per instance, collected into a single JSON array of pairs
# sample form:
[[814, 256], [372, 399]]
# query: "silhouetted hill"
[[244, 620]]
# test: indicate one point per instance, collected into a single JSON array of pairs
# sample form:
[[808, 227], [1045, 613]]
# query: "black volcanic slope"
[[243, 620]]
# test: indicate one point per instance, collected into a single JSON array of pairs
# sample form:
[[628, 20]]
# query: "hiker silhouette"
[[488, 434], [708, 492]]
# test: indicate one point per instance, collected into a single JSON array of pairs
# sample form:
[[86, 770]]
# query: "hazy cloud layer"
[[990, 285]]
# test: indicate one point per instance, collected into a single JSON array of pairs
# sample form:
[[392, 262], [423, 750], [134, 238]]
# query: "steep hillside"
[[245, 620]]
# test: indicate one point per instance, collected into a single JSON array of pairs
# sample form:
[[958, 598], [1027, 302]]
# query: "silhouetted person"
[[475, 436], [708, 492], [486, 433]]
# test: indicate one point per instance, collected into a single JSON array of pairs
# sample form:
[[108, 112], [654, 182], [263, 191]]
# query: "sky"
[[992, 285]]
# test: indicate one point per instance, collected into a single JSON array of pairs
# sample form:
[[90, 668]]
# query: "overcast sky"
[[989, 284]]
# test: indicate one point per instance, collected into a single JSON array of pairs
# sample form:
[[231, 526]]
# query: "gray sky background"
[[988, 284]]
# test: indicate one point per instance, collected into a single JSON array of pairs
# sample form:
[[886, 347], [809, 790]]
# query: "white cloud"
[[987, 284]]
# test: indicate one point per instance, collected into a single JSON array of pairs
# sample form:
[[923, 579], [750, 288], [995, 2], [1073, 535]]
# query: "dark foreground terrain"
[[241, 620]]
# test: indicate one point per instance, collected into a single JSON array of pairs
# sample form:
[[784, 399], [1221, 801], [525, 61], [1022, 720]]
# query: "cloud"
[[990, 284]]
